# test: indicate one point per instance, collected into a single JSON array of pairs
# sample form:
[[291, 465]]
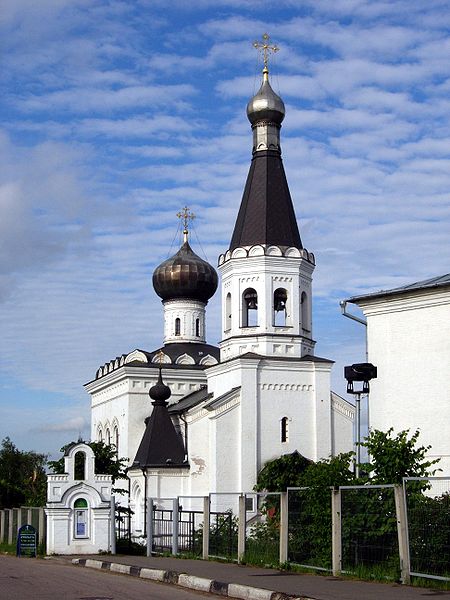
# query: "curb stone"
[[230, 590]]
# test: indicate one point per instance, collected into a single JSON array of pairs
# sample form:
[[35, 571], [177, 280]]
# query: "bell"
[[280, 305], [251, 303]]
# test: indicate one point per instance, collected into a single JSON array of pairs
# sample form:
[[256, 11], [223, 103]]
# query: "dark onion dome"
[[185, 275], [265, 104], [160, 392]]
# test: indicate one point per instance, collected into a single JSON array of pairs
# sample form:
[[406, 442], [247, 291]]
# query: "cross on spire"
[[265, 48], [185, 215]]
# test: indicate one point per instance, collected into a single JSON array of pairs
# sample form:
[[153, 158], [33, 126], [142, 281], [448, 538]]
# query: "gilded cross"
[[185, 215], [265, 48]]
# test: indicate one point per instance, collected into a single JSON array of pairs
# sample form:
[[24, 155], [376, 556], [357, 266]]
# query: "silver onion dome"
[[265, 104], [185, 275]]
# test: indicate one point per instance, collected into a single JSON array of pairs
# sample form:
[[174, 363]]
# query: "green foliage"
[[283, 472], [106, 461], [396, 456], [23, 481]]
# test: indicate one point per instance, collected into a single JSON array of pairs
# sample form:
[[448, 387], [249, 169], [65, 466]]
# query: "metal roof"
[[433, 282]]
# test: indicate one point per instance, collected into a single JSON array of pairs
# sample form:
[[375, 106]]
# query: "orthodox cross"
[[265, 48], [185, 215]]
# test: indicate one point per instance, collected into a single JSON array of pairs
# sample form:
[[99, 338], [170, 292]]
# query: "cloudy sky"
[[115, 114]]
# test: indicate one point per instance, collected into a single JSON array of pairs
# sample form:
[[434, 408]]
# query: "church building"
[[217, 415]]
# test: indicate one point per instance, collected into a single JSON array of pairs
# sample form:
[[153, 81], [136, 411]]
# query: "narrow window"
[[116, 438], [249, 308], [284, 429], [99, 435], [80, 466], [304, 312], [197, 327], [228, 312], [279, 307], [81, 518], [177, 326], [108, 437]]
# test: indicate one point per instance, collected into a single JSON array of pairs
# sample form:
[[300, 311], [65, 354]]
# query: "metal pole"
[[175, 516], [358, 433], [206, 519]]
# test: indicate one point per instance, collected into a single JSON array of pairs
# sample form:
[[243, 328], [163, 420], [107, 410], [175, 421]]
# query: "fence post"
[[2, 526], [29, 516], [112, 524], [10, 525], [241, 528], [402, 532], [41, 526], [175, 516], [284, 527], [206, 516], [149, 526], [19, 518], [336, 531]]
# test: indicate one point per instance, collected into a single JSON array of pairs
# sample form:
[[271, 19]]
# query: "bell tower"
[[266, 272]]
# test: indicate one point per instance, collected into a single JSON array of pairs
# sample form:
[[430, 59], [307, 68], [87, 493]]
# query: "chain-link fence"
[[262, 528], [369, 531], [309, 530], [428, 515], [223, 525]]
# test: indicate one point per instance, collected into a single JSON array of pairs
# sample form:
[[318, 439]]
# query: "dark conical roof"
[[161, 445], [266, 215], [185, 275]]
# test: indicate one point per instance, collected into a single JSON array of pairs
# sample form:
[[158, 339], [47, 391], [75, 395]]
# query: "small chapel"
[[194, 418]]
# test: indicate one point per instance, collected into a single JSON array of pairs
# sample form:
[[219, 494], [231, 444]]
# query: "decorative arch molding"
[[239, 253], [161, 357], [208, 360], [256, 251], [292, 253], [136, 355], [274, 251], [185, 359]]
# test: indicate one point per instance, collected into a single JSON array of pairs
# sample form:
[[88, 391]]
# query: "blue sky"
[[116, 114]]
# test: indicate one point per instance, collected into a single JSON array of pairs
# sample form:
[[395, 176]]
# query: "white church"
[[216, 415]]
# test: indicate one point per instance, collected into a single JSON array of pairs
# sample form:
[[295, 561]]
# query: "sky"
[[116, 114]]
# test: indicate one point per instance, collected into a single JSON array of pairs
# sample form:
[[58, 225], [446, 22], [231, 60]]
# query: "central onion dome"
[[265, 104], [185, 275]]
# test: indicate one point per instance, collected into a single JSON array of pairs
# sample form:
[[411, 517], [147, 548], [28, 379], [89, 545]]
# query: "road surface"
[[39, 579]]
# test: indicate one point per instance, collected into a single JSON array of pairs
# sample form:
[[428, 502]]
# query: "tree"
[[283, 472], [106, 461], [396, 456], [23, 481]]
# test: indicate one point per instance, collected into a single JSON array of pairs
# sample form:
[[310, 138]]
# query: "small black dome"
[[185, 275], [160, 392]]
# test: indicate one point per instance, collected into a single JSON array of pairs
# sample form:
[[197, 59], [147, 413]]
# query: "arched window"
[[99, 435], [177, 326], [228, 312], [304, 305], [108, 437], [197, 327], [80, 466], [81, 518], [249, 308], [284, 429], [116, 438], [279, 307]]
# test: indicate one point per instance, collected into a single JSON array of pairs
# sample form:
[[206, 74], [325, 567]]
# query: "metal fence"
[[428, 517], [262, 528], [369, 532], [310, 528], [223, 525]]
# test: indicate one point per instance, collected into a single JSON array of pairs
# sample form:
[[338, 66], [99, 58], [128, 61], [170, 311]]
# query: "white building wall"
[[409, 342]]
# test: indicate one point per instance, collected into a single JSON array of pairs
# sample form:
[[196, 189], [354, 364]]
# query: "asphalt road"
[[38, 579]]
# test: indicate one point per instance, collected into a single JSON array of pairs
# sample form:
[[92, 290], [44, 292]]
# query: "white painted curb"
[[195, 583], [236, 590], [154, 574], [118, 568]]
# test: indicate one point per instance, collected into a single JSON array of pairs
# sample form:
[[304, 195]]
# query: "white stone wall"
[[409, 342]]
